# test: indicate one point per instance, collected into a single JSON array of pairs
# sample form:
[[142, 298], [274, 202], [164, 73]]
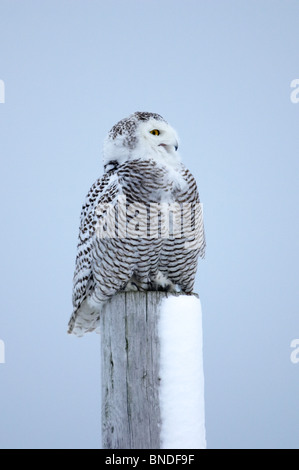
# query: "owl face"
[[142, 136]]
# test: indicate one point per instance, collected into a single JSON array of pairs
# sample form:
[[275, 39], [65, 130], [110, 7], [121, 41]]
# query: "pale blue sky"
[[219, 71]]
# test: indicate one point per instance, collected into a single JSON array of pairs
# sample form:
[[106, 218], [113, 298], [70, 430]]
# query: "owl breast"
[[152, 194]]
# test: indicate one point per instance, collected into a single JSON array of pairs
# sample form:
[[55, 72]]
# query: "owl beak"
[[167, 146]]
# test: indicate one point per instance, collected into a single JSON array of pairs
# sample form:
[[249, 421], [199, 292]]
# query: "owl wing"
[[102, 192]]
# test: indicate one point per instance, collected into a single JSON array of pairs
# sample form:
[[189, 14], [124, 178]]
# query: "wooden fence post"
[[131, 417]]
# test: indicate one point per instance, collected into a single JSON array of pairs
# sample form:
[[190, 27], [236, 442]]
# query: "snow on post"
[[181, 373], [152, 372]]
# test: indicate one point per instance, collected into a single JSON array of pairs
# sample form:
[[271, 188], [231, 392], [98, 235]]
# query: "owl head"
[[141, 136]]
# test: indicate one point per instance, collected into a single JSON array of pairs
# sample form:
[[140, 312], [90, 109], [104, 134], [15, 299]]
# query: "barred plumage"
[[145, 187]]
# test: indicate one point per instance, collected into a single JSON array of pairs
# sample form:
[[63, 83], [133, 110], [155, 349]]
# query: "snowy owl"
[[141, 224]]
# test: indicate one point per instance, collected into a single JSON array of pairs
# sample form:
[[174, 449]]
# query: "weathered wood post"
[[131, 374]]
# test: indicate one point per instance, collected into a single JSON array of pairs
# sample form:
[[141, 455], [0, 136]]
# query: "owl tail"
[[84, 320]]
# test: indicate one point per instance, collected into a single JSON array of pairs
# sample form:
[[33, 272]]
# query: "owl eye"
[[155, 132]]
